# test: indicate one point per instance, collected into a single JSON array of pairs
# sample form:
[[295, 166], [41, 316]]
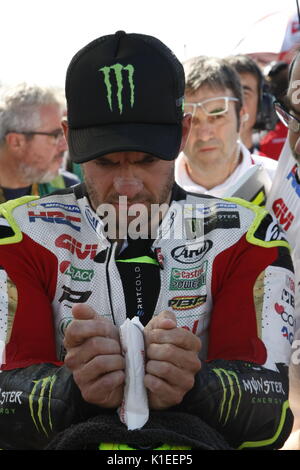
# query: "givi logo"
[[76, 247]]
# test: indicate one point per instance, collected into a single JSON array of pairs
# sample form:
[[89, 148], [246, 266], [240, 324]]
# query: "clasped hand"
[[95, 358]]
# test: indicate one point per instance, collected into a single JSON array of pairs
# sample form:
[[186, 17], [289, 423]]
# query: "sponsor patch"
[[191, 208], [92, 219], [188, 279], [74, 296], [76, 274], [274, 232], [193, 253], [58, 205], [76, 247], [39, 403], [196, 227], [55, 217], [186, 302], [284, 216], [292, 176], [63, 325]]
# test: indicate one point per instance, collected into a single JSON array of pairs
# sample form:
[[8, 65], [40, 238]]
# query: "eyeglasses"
[[57, 134], [211, 107], [290, 121]]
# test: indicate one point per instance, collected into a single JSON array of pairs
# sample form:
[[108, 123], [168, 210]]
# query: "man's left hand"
[[172, 361]]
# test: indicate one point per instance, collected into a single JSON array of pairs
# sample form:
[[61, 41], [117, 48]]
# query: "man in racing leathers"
[[284, 202], [211, 282]]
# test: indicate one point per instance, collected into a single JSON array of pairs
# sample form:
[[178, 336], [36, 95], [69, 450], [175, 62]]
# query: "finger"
[[96, 368], [106, 391], [165, 320], [78, 331], [91, 348], [179, 357], [83, 312], [168, 372], [162, 395], [179, 337]]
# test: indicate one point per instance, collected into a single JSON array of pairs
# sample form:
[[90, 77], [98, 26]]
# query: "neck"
[[144, 225], [246, 138], [209, 176]]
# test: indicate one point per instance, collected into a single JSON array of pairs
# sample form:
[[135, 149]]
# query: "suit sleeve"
[[246, 403], [242, 389], [38, 396], [37, 402]]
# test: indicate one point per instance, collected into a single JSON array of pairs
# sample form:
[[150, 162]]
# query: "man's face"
[[42, 155], [250, 93], [293, 106], [142, 178], [212, 139]]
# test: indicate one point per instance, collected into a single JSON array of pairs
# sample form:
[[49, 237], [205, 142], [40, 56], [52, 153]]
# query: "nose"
[[126, 183], [203, 129], [62, 143]]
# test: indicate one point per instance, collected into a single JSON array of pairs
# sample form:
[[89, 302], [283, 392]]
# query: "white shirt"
[[183, 179]]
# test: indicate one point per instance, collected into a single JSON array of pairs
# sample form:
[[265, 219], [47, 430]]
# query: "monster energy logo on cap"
[[118, 69]]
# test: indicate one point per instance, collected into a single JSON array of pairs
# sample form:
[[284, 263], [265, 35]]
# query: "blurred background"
[[38, 38]]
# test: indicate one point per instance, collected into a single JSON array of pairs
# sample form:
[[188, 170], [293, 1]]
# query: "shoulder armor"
[[9, 230], [264, 230]]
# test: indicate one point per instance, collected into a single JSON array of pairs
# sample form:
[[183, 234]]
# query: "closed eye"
[[105, 162], [108, 163], [148, 159]]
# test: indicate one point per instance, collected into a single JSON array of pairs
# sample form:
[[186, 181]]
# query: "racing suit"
[[222, 266], [284, 202]]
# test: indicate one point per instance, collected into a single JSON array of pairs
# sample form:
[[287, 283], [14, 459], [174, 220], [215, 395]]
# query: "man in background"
[[257, 102], [32, 144], [284, 202], [214, 160], [273, 141]]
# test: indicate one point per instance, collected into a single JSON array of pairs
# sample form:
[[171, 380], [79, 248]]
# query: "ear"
[[186, 127], [65, 127], [15, 141], [244, 116]]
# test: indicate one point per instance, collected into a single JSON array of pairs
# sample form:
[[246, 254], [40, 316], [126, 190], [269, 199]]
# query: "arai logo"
[[188, 254]]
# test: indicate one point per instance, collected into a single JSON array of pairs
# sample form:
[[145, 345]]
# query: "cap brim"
[[160, 140]]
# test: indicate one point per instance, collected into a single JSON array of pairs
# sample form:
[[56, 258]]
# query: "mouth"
[[126, 204], [207, 149]]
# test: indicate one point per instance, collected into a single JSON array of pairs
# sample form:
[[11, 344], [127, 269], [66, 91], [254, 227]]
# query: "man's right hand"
[[94, 357]]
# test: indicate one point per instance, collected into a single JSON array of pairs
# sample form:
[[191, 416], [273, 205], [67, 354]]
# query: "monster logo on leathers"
[[39, 403], [118, 69], [229, 383]]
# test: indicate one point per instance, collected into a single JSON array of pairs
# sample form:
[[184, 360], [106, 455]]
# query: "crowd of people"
[[212, 274]]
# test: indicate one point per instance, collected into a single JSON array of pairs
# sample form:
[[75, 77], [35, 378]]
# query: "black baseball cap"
[[124, 93]]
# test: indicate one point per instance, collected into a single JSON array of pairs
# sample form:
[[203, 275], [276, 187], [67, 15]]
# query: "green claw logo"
[[40, 403], [228, 377], [118, 69]]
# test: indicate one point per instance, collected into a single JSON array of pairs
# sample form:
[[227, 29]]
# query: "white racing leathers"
[[284, 202], [222, 266]]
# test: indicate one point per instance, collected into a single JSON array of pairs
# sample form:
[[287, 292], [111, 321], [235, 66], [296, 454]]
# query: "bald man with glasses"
[[32, 143]]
